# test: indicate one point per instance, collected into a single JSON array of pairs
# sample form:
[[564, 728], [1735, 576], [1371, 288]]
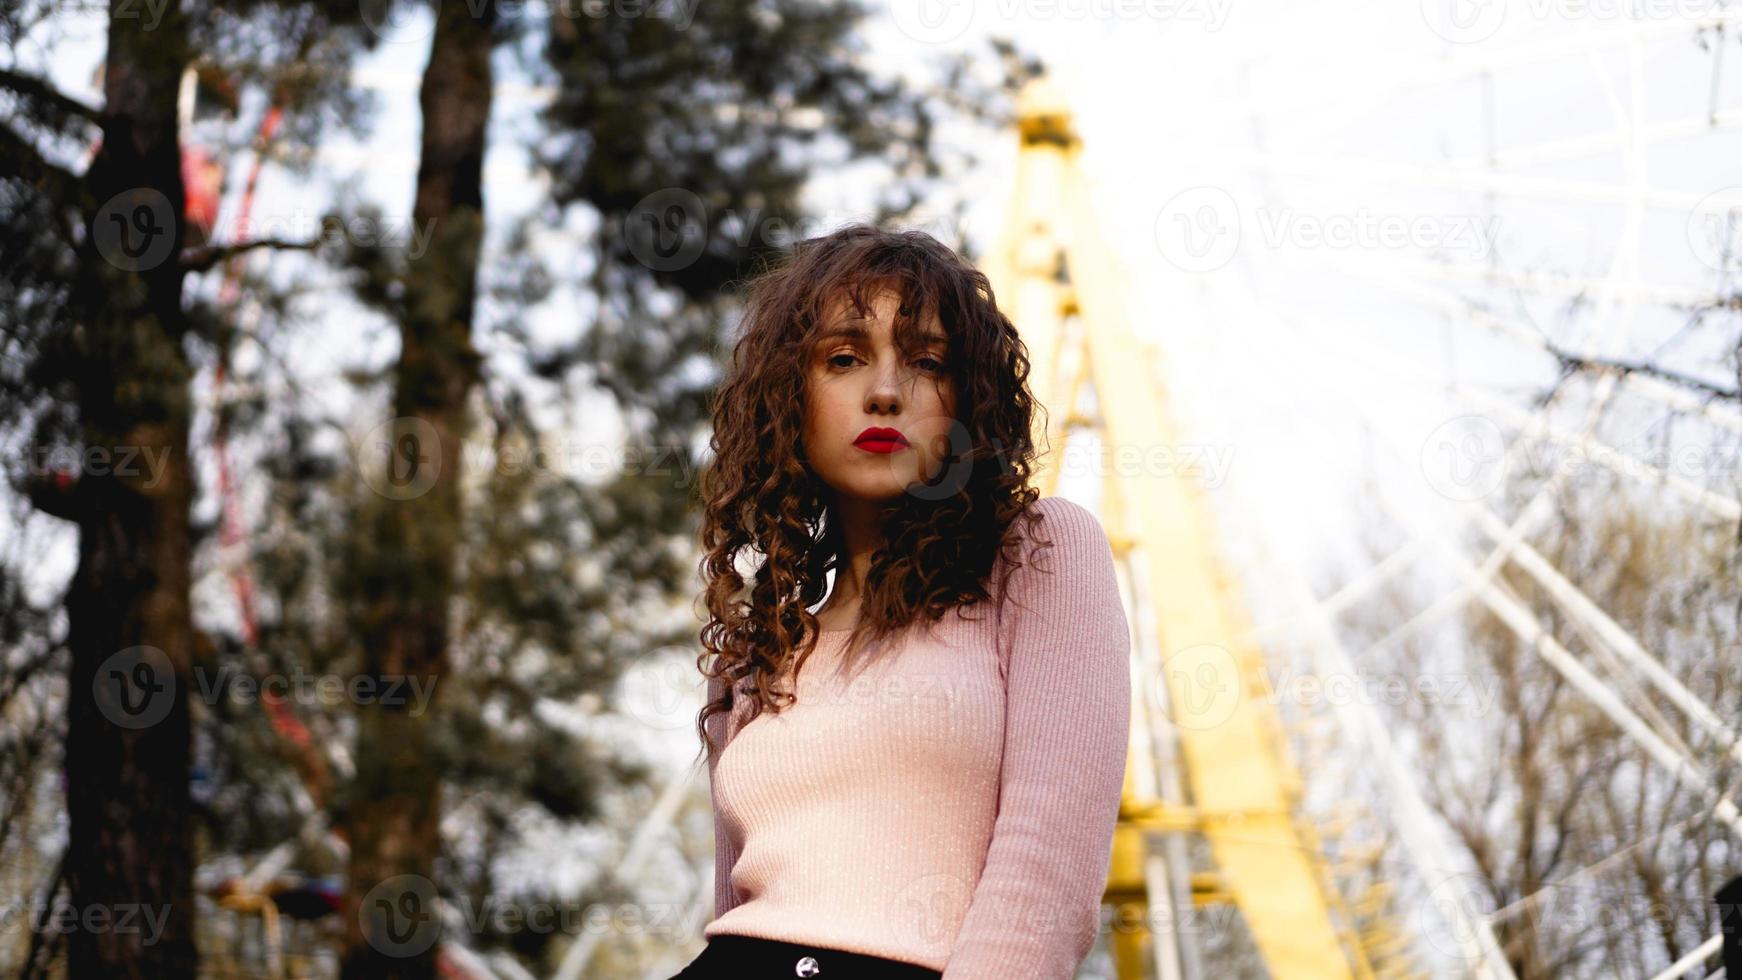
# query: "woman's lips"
[[879, 440], [880, 445]]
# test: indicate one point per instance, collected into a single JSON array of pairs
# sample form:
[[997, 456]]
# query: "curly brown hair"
[[941, 540]]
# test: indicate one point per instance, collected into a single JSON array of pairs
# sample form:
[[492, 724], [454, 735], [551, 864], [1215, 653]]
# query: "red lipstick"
[[880, 440]]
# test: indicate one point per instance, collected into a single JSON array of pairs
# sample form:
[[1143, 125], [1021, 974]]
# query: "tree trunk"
[[393, 812], [130, 858]]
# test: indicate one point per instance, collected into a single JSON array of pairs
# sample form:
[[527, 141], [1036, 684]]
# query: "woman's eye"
[[845, 360]]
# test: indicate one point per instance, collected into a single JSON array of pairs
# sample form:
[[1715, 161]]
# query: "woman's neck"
[[860, 524]]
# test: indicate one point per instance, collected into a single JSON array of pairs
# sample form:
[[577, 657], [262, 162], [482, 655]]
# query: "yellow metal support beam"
[[1064, 289]]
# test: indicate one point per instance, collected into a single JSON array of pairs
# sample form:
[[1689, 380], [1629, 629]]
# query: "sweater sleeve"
[[725, 853], [1035, 912]]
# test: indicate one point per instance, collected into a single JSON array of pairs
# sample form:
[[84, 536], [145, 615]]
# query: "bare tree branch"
[[201, 259], [1576, 362]]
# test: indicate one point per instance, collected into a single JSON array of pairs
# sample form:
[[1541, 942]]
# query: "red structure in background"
[[202, 175], [232, 536]]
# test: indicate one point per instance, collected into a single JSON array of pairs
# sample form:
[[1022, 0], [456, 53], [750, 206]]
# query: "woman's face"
[[858, 381]]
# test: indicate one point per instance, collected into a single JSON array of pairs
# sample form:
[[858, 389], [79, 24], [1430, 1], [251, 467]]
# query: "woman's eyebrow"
[[855, 330], [849, 328]]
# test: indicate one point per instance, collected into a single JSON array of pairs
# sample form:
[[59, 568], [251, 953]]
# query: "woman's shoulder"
[[1066, 512], [1067, 540], [1063, 522], [1068, 581]]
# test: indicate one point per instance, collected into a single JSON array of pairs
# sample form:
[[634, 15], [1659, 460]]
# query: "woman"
[[919, 778]]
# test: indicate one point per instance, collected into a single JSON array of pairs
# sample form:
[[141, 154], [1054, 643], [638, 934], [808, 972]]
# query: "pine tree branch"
[[36, 168], [43, 93], [34, 964], [55, 493], [20, 676]]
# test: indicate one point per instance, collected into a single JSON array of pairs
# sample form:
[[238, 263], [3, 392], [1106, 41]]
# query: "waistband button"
[[807, 967]]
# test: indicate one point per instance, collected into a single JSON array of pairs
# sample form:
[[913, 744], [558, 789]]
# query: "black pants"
[[728, 957]]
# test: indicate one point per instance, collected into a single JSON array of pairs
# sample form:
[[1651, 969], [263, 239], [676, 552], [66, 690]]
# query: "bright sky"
[[1299, 195], [1352, 106]]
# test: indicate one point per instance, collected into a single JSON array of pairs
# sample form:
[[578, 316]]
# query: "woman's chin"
[[878, 488]]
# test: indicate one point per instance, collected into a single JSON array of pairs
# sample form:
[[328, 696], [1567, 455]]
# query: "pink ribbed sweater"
[[952, 804]]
